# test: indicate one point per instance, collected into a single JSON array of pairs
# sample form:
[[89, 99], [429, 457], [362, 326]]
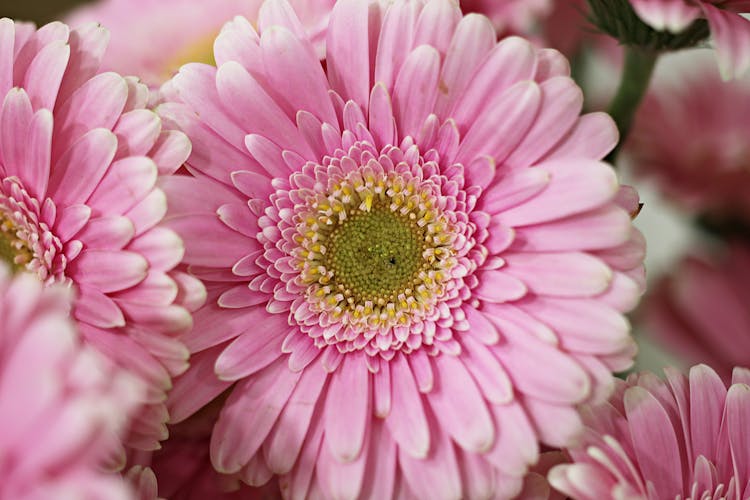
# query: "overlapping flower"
[[686, 437], [79, 160], [690, 136], [63, 406], [416, 265]]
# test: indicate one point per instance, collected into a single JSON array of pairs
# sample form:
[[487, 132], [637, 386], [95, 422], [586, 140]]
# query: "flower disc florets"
[[373, 245]]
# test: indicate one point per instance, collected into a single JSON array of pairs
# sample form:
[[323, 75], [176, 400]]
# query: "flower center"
[[376, 255], [13, 250], [374, 250]]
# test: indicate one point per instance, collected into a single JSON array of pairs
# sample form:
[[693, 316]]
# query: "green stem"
[[636, 75]]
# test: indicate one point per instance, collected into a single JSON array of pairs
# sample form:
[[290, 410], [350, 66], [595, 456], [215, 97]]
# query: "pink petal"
[[126, 183], [286, 439], [651, 429], [107, 233], [15, 118], [574, 274], [511, 61], [600, 133], [380, 479], [731, 34], [196, 387], [562, 102], [77, 172], [45, 73], [200, 234], [561, 381], [348, 49], [407, 421], [347, 410], [395, 42], [35, 174], [97, 103], [107, 270], [459, 407], [257, 112], [248, 416], [501, 124], [97, 309], [252, 351], [295, 72], [497, 287], [436, 476], [416, 89], [666, 15], [707, 397], [575, 187]]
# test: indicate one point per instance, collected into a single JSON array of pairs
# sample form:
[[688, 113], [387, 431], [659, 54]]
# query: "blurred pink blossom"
[[153, 38], [701, 310], [63, 406], [691, 136]]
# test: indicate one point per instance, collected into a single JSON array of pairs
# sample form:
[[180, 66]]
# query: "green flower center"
[[13, 250], [376, 255], [374, 250]]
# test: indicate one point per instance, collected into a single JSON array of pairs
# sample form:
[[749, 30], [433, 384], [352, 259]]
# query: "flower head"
[[690, 136], [683, 438], [153, 38], [700, 310], [62, 405], [80, 157], [730, 31], [404, 233]]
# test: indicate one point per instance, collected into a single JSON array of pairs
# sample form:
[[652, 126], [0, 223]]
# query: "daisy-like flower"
[[153, 38], [511, 16], [730, 31], [62, 405], [686, 437], [416, 264], [690, 135], [79, 161], [700, 310]]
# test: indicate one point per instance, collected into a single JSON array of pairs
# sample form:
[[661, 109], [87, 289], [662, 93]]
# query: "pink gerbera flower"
[[700, 311], [691, 137], [683, 438], [730, 31], [79, 160], [416, 264], [62, 405], [153, 38]]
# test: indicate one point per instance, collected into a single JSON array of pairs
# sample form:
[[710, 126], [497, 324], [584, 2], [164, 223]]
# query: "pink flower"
[[511, 16], [730, 31], [153, 38], [683, 438], [690, 135], [700, 311], [416, 264], [62, 405], [79, 161]]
